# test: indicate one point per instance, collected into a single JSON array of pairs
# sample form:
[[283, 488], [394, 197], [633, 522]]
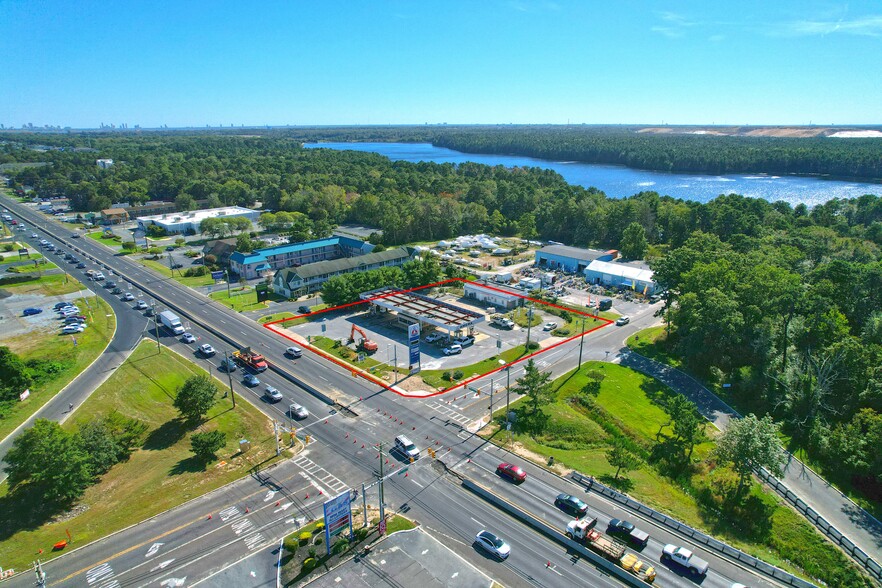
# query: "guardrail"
[[869, 564], [777, 573]]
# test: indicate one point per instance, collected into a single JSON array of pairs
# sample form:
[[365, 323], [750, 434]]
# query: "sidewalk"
[[851, 520]]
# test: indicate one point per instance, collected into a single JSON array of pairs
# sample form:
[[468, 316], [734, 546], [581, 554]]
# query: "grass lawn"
[[435, 378], [114, 244], [163, 269], [649, 343], [629, 406], [70, 359], [299, 321], [242, 299], [519, 316], [276, 317], [158, 476], [369, 364], [51, 285]]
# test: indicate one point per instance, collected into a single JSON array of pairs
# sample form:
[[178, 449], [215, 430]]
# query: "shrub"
[[312, 552], [1, 258], [290, 545], [154, 251], [180, 241], [191, 253], [319, 527], [533, 345], [457, 375], [562, 332], [196, 271], [304, 537], [446, 376], [361, 533], [8, 247], [318, 540], [341, 545], [309, 564]]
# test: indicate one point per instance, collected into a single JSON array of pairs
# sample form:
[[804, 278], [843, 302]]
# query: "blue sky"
[[192, 63]]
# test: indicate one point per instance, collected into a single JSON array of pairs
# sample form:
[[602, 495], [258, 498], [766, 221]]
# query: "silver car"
[[493, 544], [297, 412]]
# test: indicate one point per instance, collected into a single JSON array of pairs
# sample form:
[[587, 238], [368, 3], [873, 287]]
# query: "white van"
[[406, 447]]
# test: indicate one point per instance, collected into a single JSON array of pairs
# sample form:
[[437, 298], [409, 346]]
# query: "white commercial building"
[[181, 222], [630, 275]]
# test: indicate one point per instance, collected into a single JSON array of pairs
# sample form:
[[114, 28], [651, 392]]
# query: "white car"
[[623, 320], [294, 352], [69, 311], [207, 350], [550, 326], [71, 329], [492, 544], [128, 297], [141, 305], [297, 412], [188, 338], [432, 337], [454, 349], [34, 235], [272, 393]]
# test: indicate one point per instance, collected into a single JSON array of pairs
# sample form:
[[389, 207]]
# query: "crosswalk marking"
[[448, 412], [102, 577], [253, 541], [229, 513], [335, 484]]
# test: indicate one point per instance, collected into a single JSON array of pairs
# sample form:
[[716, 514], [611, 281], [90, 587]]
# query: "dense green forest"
[[784, 303]]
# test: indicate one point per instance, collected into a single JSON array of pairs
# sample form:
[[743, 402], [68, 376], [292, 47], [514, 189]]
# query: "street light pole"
[[395, 354], [155, 326], [230, 376], [382, 506], [227, 275], [491, 400], [529, 325]]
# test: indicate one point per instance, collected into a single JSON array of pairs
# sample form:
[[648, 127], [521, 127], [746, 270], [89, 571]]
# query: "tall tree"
[[14, 375], [621, 458], [536, 385], [633, 244], [750, 443], [196, 397], [206, 445]]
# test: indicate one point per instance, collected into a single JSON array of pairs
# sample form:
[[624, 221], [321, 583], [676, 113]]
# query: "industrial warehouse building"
[[260, 261], [614, 274], [493, 294], [182, 222], [295, 281], [570, 259]]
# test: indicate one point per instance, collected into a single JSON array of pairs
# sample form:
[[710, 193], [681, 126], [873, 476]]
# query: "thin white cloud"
[[669, 32], [869, 26]]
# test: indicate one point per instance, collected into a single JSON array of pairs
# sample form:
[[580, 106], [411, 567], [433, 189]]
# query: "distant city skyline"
[[686, 62]]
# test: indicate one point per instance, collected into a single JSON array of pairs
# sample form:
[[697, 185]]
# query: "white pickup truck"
[[685, 558]]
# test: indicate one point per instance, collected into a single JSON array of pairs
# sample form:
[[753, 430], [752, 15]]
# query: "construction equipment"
[[581, 530], [250, 359], [365, 344]]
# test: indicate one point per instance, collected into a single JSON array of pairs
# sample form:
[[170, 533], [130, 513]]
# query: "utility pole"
[[581, 342], [230, 376], [276, 435], [155, 326], [364, 505], [382, 506], [227, 276], [507, 389], [529, 325], [491, 400], [170, 268], [395, 353]]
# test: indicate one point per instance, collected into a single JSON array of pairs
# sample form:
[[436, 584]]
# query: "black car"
[[170, 248], [627, 530], [81, 265], [116, 290], [110, 284], [570, 504], [304, 309]]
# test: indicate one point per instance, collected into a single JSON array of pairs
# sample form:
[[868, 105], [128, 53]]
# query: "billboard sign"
[[217, 275], [413, 339], [338, 515]]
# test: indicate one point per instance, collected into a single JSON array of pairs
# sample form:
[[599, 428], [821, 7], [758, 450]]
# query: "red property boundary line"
[[359, 373]]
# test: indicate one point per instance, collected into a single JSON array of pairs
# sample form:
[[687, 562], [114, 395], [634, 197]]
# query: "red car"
[[512, 472]]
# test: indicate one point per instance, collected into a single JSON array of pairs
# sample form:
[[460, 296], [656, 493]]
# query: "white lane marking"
[[285, 506], [269, 495], [477, 521], [99, 573], [153, 549], [229, 513], [162, 566], [173, 582], [253, 541], [415, 482]]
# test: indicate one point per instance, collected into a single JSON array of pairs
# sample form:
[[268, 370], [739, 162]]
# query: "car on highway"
[[141, 305], [570, 504], [81, 265], [493, 544], [128, 297], [294, 352], [272, 393], [227, 365], [75, 236], [250, 380], [297, 412], [116, 290], [207, 350], [627, 530], [188, 338], [34, 235], [432, 337], [623, 320], [454, 349], [512, 472], [110, 284], [98, 276], [549, 326], [31, 311], [71, 329], [685, 558]]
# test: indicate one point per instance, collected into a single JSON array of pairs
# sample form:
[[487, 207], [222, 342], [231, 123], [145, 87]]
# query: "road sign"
[[217, 275], [338, 514]]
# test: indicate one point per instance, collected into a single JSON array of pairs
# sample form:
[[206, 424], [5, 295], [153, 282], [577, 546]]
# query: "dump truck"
[[171, 321], [250, 359], [580, 530]]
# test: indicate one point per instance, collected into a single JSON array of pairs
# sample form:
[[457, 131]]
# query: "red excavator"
[[365, 344]]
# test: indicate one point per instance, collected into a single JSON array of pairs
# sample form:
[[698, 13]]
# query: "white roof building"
[[618, 274], [181, 222]]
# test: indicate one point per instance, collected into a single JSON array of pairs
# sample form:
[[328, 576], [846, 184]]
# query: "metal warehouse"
[[570, 259], [633, 276]]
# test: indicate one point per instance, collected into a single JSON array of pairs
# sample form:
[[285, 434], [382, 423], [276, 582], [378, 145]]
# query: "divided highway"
[[426, 493]]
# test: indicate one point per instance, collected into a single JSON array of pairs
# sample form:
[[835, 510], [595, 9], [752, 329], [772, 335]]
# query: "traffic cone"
[[405, 474], [347, 436], [320, 492], [307, 494], [246, 510], [277, 502], [209, 516], [362, 445]]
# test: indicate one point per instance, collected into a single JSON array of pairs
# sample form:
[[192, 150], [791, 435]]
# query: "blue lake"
[[620, 182]]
